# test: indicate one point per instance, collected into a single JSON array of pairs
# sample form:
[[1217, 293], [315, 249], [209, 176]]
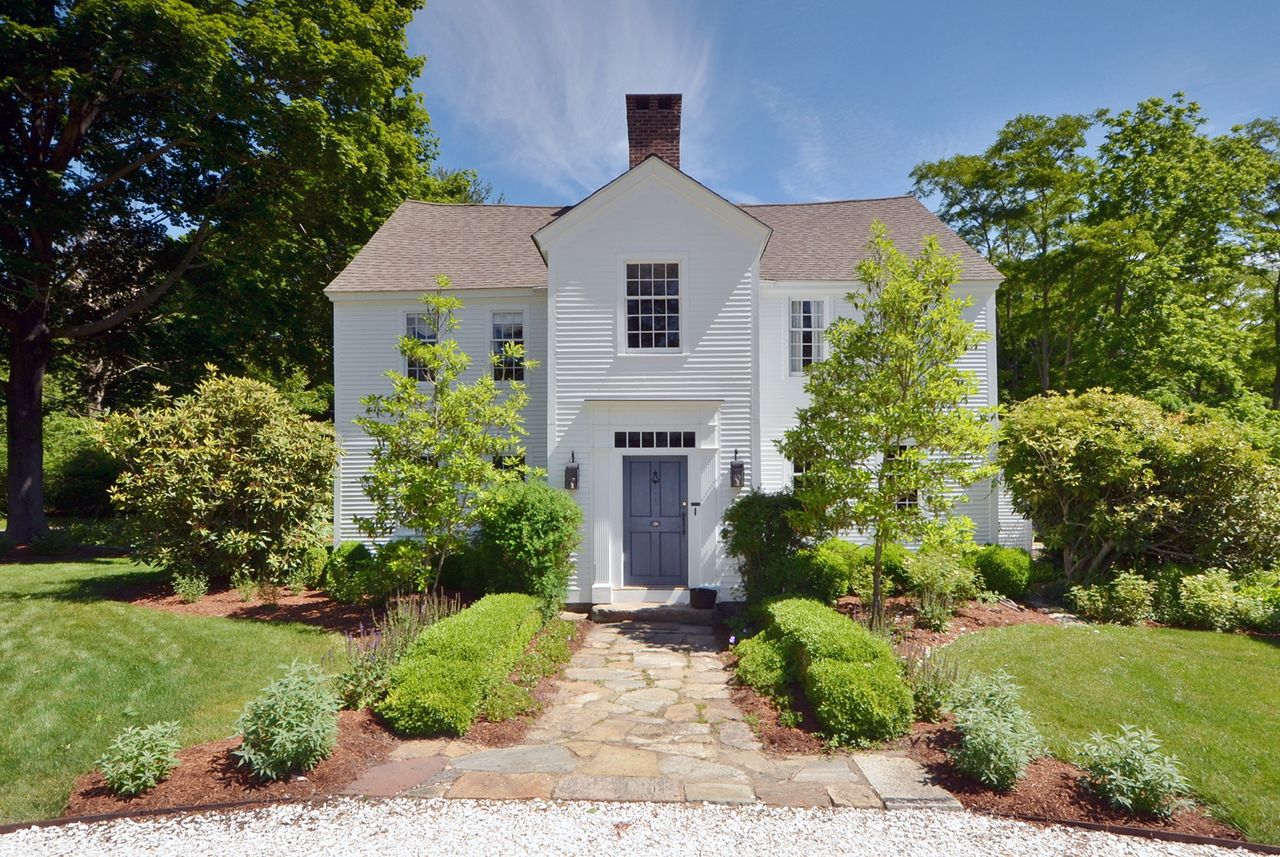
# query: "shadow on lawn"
[[114, 584]]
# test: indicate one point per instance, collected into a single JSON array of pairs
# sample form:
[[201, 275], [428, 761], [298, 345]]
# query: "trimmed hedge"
[[894, 559], [1004, 569], [444, 679], [849, 675]]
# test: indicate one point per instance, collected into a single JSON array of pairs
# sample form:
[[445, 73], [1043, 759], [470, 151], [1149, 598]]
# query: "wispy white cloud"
[[543, 81]]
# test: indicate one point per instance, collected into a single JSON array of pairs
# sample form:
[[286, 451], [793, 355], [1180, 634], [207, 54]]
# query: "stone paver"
[[902, 784], [645, 713]]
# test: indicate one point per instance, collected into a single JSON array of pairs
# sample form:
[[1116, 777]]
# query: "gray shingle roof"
[[490, 246]]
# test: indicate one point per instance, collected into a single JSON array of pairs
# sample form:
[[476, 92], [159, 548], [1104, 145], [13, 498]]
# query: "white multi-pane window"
[[420, 326], [910, 499], [508, 328], [653, 305], [808, 321]]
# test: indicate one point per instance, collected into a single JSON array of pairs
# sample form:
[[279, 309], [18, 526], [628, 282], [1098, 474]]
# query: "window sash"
[[417, 325], [507, 327], [807, 324], [653, 306]]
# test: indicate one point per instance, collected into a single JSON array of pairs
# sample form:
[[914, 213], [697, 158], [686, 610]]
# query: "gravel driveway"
[[351, 827]]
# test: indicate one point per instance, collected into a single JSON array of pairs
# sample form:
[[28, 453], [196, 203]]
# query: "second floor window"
[[653, 305], [508, 328], [909, 499], [419, 326], [808, 322]]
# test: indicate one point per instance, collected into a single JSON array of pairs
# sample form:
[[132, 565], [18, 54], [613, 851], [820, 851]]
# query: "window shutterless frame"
[[806, 328], [506, 326], [417, 325], [651, 314]]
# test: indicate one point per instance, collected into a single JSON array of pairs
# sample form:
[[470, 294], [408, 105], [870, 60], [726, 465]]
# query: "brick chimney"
[[653, 127]]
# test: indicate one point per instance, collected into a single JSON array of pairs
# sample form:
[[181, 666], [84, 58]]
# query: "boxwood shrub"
[[1004, 569], [444, 679], [849, 675], [894, 559]]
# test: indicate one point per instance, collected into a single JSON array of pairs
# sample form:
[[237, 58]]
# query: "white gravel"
[[352, 827]]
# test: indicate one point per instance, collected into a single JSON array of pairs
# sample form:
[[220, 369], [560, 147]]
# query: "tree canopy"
[[225, 157]]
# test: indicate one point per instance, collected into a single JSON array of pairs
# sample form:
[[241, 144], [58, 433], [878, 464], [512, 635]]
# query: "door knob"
[[655, 523]]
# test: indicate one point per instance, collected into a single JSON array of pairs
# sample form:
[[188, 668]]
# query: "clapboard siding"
[[782, 394], [651, 222], [367, 330]]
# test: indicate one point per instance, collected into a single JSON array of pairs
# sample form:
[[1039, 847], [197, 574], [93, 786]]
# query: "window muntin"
[[654, 440], [653, 305], [507, 327], [419, 326], [911, 499], [808, 321]]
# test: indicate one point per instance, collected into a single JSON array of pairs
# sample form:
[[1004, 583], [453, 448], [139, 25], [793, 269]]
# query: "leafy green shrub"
[[1209, 602], [1128, 771], [57, 541], [938, 581], [1127, 600], [859, 703], [528, 533], [1004, 569], [998, 738], [363, 676], [931, 675], [139, 758], [229, 481], [1109, 476], [848, 674], [757, 528], [441, 683], [291, 726], [78, 472], [1261, 590], [308, 573], [762, 664], [893, 565], [190, 588], [399, 567], [842, 557], [348, 572], [807, 573], [550, 650]]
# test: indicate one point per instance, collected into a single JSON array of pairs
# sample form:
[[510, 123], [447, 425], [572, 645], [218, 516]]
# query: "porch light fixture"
[[737, 472], [571, 473]]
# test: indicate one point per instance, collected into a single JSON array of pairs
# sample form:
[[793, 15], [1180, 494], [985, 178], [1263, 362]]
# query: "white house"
[[672, 329]]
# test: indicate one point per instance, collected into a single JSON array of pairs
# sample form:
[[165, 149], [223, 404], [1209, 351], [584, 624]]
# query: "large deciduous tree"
[[891, 433], [255, 142], [1125, 264]]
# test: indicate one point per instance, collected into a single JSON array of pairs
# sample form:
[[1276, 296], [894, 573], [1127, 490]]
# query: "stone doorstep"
[[675, 614]]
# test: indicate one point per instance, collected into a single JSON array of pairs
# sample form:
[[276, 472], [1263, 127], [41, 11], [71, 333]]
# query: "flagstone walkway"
[[644, 713]]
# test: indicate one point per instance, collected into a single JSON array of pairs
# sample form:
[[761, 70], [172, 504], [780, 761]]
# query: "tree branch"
[[143, 301], [128, 169]]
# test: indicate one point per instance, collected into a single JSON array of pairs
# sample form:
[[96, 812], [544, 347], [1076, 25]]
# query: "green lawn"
[[76, 669], [1213, 699]]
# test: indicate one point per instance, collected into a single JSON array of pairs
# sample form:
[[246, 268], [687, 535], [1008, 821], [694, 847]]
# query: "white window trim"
[[489, 340], [787, 330], [404, 332], [622, 260]]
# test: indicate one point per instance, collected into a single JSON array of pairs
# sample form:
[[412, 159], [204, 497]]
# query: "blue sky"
[[798, 101]]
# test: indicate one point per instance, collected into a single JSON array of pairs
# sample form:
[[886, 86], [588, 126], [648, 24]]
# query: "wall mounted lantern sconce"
[[571, 473], [737, 472]]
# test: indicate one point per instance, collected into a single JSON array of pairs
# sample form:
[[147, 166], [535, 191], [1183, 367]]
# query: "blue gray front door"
[[655, 502]]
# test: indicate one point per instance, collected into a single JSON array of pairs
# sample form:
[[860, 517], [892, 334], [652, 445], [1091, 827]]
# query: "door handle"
[[684, 522]]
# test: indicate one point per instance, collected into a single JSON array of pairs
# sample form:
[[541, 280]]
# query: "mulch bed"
[[312, 607], [209, 774], [1050, 789], [970, 617], [780, 739]]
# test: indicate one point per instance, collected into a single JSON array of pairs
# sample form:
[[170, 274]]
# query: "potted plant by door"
[[702, 597]]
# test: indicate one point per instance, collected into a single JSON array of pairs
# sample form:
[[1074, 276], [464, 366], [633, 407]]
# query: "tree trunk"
[[877, 596], [1275, 329], [28, 359]]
